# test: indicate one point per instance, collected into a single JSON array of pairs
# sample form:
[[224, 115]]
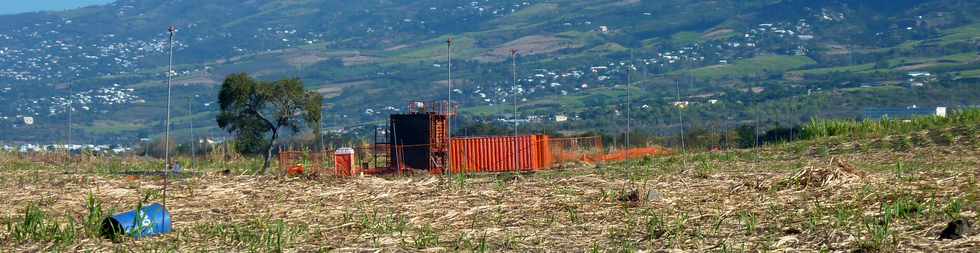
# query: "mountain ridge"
[[397, 48]]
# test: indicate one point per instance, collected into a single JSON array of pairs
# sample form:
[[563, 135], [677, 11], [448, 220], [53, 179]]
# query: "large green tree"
[[257, 112]]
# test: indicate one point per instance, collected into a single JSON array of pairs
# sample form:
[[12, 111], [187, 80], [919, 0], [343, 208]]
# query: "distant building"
[[919, 74], [561, 118], [903, 113]]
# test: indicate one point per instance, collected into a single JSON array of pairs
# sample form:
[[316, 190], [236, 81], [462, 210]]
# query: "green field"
[[970, 74], [111, 127], [852, 68], [962, 34]]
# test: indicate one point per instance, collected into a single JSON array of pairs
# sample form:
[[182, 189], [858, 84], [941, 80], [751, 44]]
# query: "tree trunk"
[[268, 153]]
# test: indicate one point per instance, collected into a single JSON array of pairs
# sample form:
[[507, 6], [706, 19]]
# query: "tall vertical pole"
[[449, 114], [629, 119], [170, 74], [513, 56], [680, 113], [757, 108], [323, 148], [69, 111], [190, 120]]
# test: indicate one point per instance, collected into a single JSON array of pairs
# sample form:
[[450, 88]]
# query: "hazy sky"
[[18, 6]]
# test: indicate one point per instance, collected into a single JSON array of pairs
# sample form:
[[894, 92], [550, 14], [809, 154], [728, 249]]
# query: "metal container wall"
[[497, 154]]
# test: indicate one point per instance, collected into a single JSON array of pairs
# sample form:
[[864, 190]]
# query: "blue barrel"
[[149, 221]]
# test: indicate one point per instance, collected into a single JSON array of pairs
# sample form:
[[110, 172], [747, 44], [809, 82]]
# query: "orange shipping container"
[[497, 154]]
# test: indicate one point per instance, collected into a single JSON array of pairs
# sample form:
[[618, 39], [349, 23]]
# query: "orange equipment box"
[[344, 162]]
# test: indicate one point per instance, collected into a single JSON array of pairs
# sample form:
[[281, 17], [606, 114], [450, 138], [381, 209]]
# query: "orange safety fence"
[[635, 153], [363, 159], [591, 150], [299, 162], [580, 149]]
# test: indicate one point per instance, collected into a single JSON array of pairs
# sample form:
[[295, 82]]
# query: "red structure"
[[501, 154], [420, 140], [344, 162]]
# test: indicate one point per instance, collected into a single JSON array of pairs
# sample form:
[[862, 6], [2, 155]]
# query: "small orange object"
[[344, 162], [296, 170]]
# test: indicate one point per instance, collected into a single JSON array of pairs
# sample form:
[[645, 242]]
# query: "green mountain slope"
[[372, 57]]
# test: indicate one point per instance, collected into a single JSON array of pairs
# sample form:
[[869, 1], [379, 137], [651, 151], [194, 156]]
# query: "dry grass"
[[775, 199]]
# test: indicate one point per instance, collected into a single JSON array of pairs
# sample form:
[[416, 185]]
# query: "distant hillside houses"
[[76, 148], [876, 113]]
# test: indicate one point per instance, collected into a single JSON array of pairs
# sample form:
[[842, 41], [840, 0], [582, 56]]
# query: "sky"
[[19, 6]]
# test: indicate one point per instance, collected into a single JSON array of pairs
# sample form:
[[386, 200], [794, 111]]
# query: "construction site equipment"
[[420, 139], [149, 221], [496, 154]]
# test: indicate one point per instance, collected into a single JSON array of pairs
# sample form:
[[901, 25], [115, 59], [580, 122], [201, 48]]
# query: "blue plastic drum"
[[149, 221]]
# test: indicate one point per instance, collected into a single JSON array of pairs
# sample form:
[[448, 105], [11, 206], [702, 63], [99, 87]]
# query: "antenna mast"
[[69, 111], [629, 82], [170, 74], [449, 121], [190, 120], [513, 55], [680, 113]]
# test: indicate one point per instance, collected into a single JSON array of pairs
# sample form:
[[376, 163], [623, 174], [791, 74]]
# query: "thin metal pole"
[[190, 120], [513, 55], [757, 108], [170, 72], [449, 114], [69, 111], [323, 148], [680, 113], [629, 82]]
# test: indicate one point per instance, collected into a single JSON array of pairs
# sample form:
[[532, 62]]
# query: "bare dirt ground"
[[713, 34], [804, 197], [332, 90], [529, 45]]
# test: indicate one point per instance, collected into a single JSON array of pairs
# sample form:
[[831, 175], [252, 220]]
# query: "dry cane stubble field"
[[892, 193]]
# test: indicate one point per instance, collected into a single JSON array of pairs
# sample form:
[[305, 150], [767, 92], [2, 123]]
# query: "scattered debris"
[[654, 196], [786, 241], [632, 197], [838, 173], [956, 230]]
